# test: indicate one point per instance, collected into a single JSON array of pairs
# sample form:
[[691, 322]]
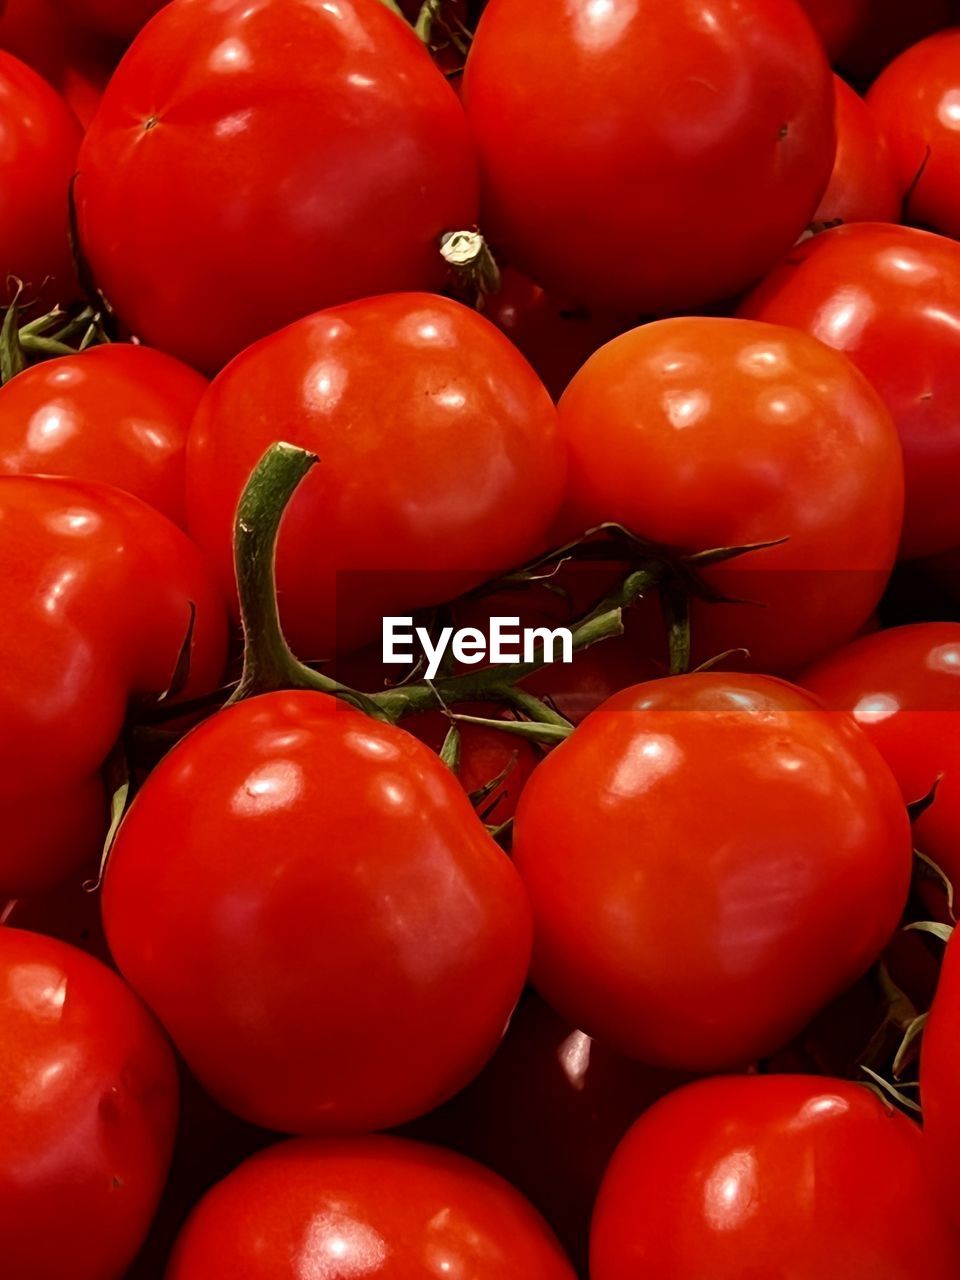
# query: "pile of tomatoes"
[[639, 318]]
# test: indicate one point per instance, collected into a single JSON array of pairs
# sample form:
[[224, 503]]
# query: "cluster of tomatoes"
[[630, 317]]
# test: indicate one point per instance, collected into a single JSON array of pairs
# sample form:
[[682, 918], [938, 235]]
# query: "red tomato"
[[254, 161], [770, 1176], [373, 1207], [352, 943], [710, 859], [451, 471], [837, 22], [118, 413], [40, 140], [76, 64], [889, 299], [577, 688], [903, 688], [863, 186], [917, 104], [648, 157], [939, 1068], [98, 589], [703, 432], [90, 1109], [116, 19]]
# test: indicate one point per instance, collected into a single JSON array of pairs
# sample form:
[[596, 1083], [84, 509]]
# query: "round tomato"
[[787, 1176], [710, 859], [701, 433], [451, 469], [252, 162], [116, 19], [939, 1069], [648, 157], [889, 299], [863, 186], [118, 413], [374, 1207], [89, 1113], [352, 942]]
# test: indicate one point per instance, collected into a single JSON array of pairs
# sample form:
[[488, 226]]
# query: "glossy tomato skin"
[[360, 151], [609, 173], [452, 469], [115, 20], [863, 186], [41, 137], [779, 1177], [706, 432], [98, 591], [902, 686], [90, 1109], [887, 298], [939, 1066], [375, 1206], [353, 941], [662, 820], [118, 413], [914, 101]]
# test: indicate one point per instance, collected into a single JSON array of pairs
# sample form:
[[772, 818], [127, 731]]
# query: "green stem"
[[394, 8]]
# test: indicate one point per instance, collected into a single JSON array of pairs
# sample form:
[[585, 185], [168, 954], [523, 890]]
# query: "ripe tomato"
[[326, 971], [40, 140], [903, 689], [706, 432], [255, 161], [915, 102], [451, 470], [115, 19], [863, 186], [118, 413], [765, 1176], [889, 299], [90, 1109], [939, 1066], [373, 1207], [97, 589], [77, 64], [710, 859], [648, 157]]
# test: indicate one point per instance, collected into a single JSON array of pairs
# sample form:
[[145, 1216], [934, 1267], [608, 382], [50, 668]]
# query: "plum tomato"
[[352, 943], [889, 299], [254, 161], [705, 432], [764, 1176], [648, 157], [117, 412], [710, 859], [452, 468], [939, 1068], [863, 186], [89, 1113]]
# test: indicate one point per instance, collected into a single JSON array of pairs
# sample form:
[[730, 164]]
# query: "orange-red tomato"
[[863, 186]]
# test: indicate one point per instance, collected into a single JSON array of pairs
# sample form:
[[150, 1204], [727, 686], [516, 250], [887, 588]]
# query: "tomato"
[[648, 157], [863, 186], [577, 688], [90, 1108], [118, 413], [116, 19], [770, 1176], [915, 102], [710, 859], [373, 1207], [98, 589], [704, 432], [939, 1066], [887, 297], [837, 22], [77, 64], [326, 972], [903, 688], [40, 140], [253, 162], [451, 471]]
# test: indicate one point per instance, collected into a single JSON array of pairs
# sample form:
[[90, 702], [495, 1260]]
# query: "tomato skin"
[[116, 21], [118, 413], [939, 1066], [452, 469], [98, 590], [863, 186], [706, 432], [600, 178], [385, 957], [90, 1109], [633, 887], [198, 259], [887, 298], [377, 1207], [770, 1176]]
